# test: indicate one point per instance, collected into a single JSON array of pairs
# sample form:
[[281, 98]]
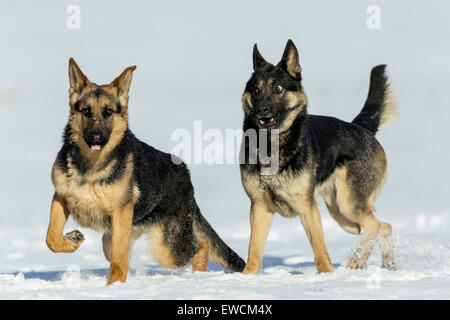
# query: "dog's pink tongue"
[[95, 147]]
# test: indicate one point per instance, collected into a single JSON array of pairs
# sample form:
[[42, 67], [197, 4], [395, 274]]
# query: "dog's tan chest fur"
[[90, 201], [285, 193]]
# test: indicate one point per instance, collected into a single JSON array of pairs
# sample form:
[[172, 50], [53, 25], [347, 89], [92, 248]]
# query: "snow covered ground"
[[31, 271], [193, 60]]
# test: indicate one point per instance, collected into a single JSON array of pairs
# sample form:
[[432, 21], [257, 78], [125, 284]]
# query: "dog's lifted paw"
[[74, 236]]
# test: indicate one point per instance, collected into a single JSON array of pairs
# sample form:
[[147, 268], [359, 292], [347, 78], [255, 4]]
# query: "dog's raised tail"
[[380, 108], [218, 250]]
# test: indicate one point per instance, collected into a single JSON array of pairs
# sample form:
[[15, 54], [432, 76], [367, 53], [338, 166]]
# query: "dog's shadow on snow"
[[269, 262]]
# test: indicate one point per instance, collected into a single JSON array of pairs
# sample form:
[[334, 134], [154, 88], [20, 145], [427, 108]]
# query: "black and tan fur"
[[341, 161], [108, 180]]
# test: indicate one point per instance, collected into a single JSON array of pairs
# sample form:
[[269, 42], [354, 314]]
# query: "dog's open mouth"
[[268, 122], [96, 147]]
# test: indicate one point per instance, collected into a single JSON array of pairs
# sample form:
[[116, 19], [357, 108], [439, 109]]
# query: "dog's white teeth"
[[260, 121], [271, 119]]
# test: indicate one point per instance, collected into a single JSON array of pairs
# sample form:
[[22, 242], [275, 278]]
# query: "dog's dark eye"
[[278, 89], [86, 112], [107, 112], [255, 91]]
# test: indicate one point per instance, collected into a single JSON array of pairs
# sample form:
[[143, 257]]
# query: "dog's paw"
[[355, 264], [390, 265], [74, 236]]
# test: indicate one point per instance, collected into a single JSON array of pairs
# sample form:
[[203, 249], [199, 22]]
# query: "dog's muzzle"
[[96, 140], [265, 117]]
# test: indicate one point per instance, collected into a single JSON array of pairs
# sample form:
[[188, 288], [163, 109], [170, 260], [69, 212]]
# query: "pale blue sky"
[[193, 59]]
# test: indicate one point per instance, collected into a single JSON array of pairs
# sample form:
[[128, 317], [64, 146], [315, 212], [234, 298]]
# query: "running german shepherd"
[[108, 180], [318, 155]]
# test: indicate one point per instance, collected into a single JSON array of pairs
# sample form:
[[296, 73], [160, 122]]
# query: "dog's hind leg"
[[159, 247], [374, 230], [383, 236], [387, 247], [345, 223], [356, 189], [201, 258], [356, 207], [173, 244], [370, 226]]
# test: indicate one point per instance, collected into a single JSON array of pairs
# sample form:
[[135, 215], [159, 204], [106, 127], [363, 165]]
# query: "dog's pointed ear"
[[122, 83], [258, 60], [290, 60], [76, 78]]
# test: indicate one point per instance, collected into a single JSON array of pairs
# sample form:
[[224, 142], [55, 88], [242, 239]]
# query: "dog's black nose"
[[263, 110], [96, 137]]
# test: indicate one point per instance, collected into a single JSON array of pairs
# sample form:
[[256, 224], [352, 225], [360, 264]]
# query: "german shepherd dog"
[[318, 155], [108, 180]]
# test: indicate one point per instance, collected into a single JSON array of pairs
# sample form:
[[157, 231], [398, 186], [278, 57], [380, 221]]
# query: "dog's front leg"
[[310, 219], [58, 218], [120, 239], [260, 220]]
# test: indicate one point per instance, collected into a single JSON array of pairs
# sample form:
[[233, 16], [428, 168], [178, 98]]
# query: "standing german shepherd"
[[108, 180], [318, 155]]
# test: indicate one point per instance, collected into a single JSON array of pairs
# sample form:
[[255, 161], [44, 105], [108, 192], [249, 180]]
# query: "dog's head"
[[274, 95], [98, 113]]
